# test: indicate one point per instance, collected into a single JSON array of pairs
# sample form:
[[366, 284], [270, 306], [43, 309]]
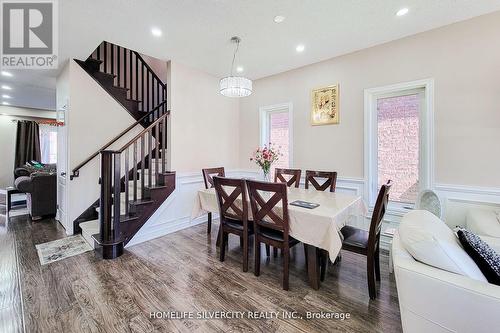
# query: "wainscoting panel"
[[175, 213], [456, 200]]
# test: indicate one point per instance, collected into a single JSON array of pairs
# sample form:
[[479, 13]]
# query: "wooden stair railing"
[[76, 170], [131, 73], [144, 158]]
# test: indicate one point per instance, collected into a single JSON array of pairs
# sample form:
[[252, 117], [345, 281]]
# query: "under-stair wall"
[[93, 117]]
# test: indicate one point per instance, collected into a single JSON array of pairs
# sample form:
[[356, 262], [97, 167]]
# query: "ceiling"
[[197, 32]]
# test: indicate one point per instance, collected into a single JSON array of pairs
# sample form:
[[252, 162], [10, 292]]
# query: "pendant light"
[[235, 86]]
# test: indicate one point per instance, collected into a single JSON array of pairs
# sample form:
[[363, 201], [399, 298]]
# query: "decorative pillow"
[[483, 222], [483, 255], [432, 242]]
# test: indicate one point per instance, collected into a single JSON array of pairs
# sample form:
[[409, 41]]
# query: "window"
[[398, 142], [275, 128], [48, 143]]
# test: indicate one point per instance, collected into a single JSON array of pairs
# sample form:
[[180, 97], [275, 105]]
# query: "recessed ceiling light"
[[156, 32], [239, 69], [4, 87], [279, 19], [402, 12], [300, 48], [6, 96], [4, 73], [5, 103]]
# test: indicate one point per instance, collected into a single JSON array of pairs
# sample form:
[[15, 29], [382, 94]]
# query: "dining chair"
[[329, 182], [233, 212], [271, 222], [294, 180], [368, 242], [208, 175], [329, 179]]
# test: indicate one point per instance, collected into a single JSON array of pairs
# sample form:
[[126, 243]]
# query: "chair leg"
[[241, 242], [275, 252], [256, 269], [268, 250], [222, 247], [324, 264], [286, 264], [305, 253], [370, 270], [217, 243], [209, 224], [245, 253], [377, 264]]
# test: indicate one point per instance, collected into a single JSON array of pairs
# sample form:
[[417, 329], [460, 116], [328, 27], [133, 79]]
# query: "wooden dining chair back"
[[208, 175], [269, 204], [269, 212], [289, 176], [329, 180], [368, 242], [233, 210], [378, 216], [232, 205]]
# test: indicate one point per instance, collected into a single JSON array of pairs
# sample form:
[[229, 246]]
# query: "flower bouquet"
[[265, 157]]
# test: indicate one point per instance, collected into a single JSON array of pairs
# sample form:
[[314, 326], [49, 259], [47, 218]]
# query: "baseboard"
[[165, 228]]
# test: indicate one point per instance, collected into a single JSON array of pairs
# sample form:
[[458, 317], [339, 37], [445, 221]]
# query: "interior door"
[[62, 170]]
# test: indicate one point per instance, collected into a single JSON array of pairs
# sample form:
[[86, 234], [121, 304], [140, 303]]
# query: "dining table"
[[318, 228]]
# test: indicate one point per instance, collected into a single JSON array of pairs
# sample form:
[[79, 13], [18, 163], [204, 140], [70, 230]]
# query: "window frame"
[[426, 140], [264, 130]]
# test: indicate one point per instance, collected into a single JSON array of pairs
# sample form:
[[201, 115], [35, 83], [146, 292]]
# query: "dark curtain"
[[27, 143]]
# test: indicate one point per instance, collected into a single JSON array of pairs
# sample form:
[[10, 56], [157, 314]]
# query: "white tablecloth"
[[319, 226]]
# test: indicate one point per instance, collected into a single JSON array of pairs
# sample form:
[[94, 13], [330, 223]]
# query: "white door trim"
[[427, 141], [263, 124]]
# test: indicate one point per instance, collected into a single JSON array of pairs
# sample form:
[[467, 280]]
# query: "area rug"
[[61, 249]]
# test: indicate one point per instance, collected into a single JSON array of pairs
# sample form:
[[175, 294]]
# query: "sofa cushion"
[[430, 241], [483, 255], [483, 222]]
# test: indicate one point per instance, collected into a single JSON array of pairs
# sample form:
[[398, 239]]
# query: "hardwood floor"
[[177, 272]]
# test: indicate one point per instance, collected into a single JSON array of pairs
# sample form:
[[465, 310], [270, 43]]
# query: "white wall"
[[8, 138], [204, 124], [203, 133], [463, 59]]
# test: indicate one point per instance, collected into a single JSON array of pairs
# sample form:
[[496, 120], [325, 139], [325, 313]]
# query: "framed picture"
[[325, 105]]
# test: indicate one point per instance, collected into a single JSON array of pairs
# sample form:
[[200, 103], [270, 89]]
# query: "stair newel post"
[[117, 194], [143, 164], [150, 157], [106, 198], [127, 178], [163, 134], [135, 171], [157, 153]]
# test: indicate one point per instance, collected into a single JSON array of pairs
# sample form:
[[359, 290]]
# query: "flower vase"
[[267, 178]]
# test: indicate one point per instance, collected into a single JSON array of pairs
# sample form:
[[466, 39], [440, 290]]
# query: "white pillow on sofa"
[[432, 242], [483, 222]]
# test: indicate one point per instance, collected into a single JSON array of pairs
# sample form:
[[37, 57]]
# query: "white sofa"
[[434, 300]]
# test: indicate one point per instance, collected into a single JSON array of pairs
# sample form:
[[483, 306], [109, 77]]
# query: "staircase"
[[133, 180], [128, 78]]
